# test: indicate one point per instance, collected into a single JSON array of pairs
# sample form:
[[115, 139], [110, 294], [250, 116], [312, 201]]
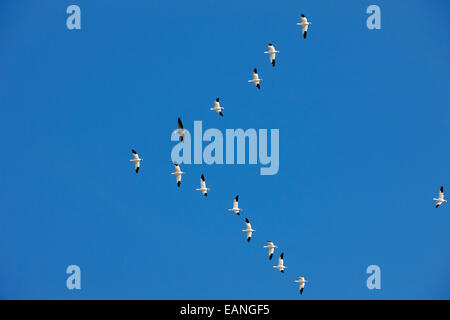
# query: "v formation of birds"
[[304, 23]]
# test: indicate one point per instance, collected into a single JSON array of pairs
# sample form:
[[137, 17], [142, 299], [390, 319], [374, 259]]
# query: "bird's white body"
[[217, 107], [271, 248], [280, 265], [136, 160], [235, 209], [301, 281], [272, 53], [440, 199], [248, 230], [178, 173]]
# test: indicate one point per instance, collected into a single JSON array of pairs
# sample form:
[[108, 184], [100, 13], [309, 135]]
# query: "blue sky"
[[364, 128]]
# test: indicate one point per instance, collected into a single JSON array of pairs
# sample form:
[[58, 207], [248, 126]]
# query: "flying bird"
[[304, 23], [280, 265], [301, 281], [178, 173], [217, 107], [235, 209], [181, 130], [441, 199], [248, 229], [272, 53], [203, 187], [256, 80], [271, 247], [136, 160]]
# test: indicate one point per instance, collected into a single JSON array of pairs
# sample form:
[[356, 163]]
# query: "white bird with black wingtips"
[[217, 107], [181, 130], [271, 247], [136, 160], [236, 209], [248, 229], [280, 265], [304, 23], [301, 281], [272, 53], [203, 187], [441, 199], [256, 80], [178, 173]]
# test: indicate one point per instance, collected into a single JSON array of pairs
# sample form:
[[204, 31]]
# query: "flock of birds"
[[204, 190]]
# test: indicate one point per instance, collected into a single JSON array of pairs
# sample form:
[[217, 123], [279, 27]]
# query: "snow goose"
[[272, 53], [304, 23], [301, 281], [271, 247], [178, 173], [280, 265], [248, 229], [203, 187], [180, 130], [217, 107], [256, 80], [235, 209], [441, 197], [136, 160]]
